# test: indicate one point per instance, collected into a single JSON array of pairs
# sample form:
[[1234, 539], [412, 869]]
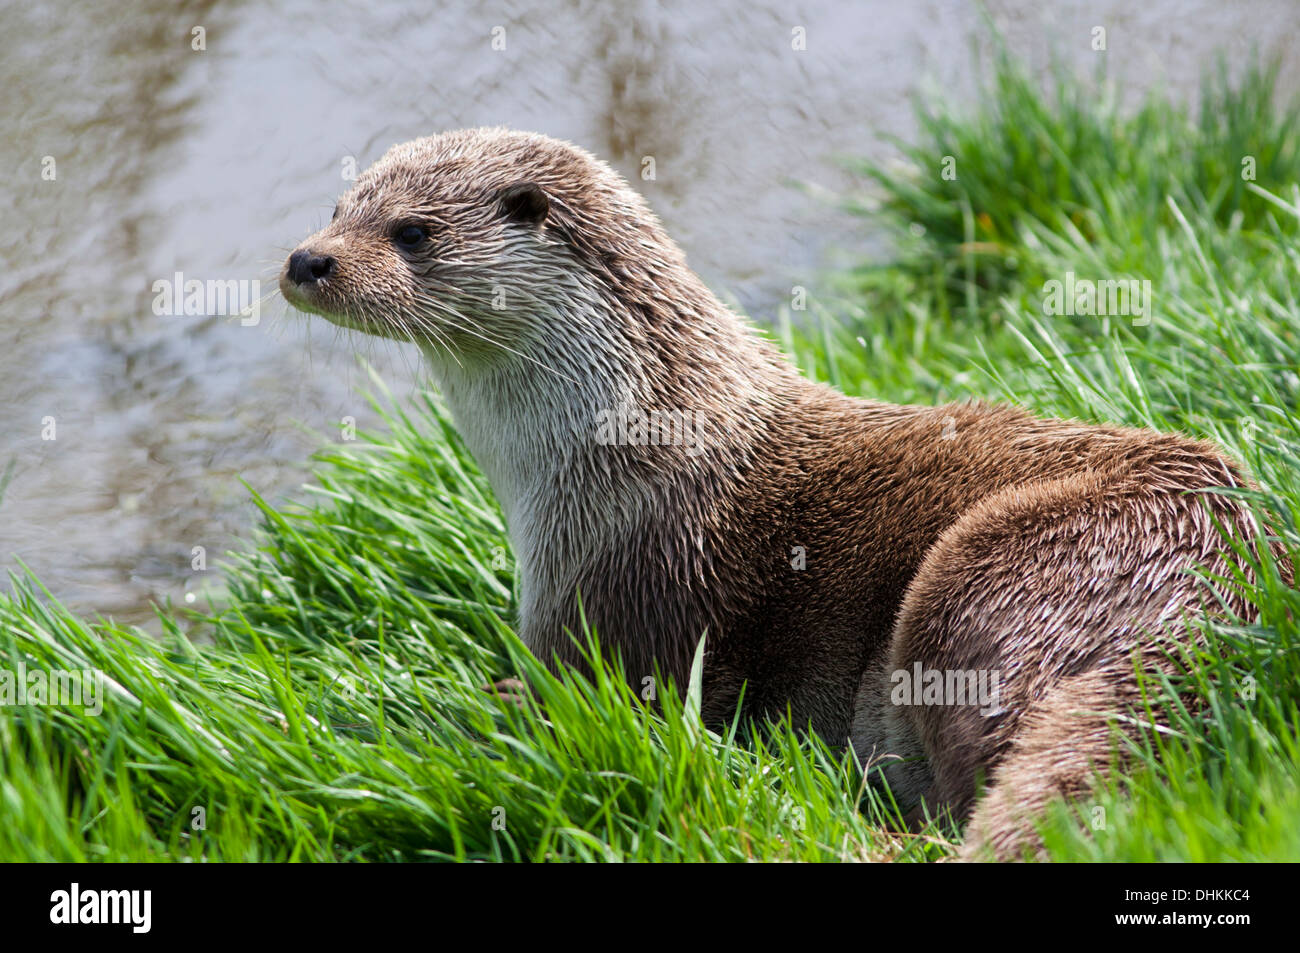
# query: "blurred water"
[[215, 162]]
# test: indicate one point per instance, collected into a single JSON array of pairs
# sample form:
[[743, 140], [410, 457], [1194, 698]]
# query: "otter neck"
[[532, 427]]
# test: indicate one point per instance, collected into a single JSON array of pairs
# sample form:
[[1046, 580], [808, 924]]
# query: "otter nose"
[[304, 267]]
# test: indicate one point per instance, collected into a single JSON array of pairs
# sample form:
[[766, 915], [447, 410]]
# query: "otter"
[[858, 566]]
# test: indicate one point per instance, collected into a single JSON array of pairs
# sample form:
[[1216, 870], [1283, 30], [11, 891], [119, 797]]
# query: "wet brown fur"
[[964, 537]]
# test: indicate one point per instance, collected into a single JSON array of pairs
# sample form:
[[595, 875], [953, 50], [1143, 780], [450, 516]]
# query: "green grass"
[[331, 709], [337, 713]]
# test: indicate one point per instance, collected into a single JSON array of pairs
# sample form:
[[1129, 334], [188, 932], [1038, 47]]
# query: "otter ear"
[[524, 202]]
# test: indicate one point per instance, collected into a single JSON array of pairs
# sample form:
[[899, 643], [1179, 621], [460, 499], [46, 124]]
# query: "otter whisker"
[[431, 334], [447, 313]]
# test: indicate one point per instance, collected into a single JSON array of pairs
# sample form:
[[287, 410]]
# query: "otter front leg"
[[814, 691]]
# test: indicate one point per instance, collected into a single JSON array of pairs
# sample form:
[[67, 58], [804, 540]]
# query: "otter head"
[[548, 300], [475, 243]]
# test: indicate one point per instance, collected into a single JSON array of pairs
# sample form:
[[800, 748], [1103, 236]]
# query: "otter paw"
[[510, 690]]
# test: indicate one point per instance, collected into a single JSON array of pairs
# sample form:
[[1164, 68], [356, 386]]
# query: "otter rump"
[[835, 549]]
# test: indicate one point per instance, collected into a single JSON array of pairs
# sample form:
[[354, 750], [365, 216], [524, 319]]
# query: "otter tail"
[[1064, 741]]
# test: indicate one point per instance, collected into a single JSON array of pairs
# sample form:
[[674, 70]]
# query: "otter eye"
[[408, 236]]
